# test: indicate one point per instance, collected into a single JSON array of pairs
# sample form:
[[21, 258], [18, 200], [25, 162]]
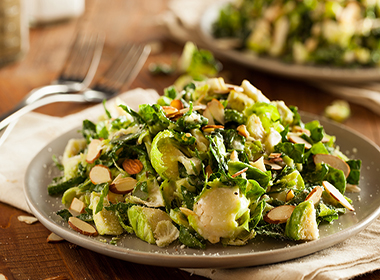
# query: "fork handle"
[[64, 97], [40, 92]]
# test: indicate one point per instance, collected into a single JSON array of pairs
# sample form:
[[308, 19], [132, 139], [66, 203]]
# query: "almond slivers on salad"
[[210, 163]]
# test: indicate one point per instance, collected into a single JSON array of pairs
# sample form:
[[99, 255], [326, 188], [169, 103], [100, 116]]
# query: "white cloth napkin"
[[34, 131], [355, 256]]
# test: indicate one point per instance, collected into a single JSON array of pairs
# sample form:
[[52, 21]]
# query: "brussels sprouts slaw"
[[334, 33], [211, 163]]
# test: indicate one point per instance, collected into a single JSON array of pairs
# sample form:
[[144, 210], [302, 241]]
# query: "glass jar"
[[14, 31]]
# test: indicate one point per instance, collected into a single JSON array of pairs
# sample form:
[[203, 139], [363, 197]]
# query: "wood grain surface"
[[24, 251]]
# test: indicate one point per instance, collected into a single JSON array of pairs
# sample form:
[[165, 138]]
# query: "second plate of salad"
[[295, 64]]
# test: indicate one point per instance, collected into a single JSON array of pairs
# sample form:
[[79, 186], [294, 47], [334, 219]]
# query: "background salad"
[[328, 32]]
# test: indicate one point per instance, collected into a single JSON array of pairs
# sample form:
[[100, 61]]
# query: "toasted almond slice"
[[175, 117], [100, 174], [352, 188], [27, 219], [234, 156], [123, 185], [242, 130], [169, 110], [94, 150], [213, 126], [216, 110], [335, 193], [82, 227], [186, 211], [274, 166], [210, 128], [208, 171], [333, 161], [274, 155], [289, 195], [301, 130], [279, 214], [298, 140], [132, 166], [77, 205], [239, 172], [235, 88], [315, 195], [54, 238], [176, 103]]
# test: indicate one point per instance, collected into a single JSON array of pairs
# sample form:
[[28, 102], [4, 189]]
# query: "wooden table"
[[24, 252]]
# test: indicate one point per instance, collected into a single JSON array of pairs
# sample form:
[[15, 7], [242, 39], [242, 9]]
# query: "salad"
[[210, 163], [335, 33]]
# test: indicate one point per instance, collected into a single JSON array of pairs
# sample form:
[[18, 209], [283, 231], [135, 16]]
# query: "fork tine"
[[83, 58], [124, 68]]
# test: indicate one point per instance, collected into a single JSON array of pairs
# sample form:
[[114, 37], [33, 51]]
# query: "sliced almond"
[[315, 195], [208, 171], [242, 130], [122, 185], [235, 88], [333, 161], [335, 193], [3, 277], [210, 128], [298, 140], [279, 214], [273, 166], [77, 205], [239, 172], [176, 103], [301, 130], [94, 150], [274, 155], [82, 227], [132, 166], [289, 195], [54, 238], [100, 174], [27, 219], [234, 156], [186, 211], [169, 110], [352, 188], [216, 109]]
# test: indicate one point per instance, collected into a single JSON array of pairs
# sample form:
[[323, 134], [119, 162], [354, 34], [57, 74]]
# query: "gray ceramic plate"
[[259, 251], [276, 66]]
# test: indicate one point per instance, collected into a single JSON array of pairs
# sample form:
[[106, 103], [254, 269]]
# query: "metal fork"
[[122, 72], [77, 73]]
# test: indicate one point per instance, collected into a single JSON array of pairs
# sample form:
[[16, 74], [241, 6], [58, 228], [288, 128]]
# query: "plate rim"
[[201, 261]]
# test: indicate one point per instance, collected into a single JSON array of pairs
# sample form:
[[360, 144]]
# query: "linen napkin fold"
[[34, 131], [358, 255]]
